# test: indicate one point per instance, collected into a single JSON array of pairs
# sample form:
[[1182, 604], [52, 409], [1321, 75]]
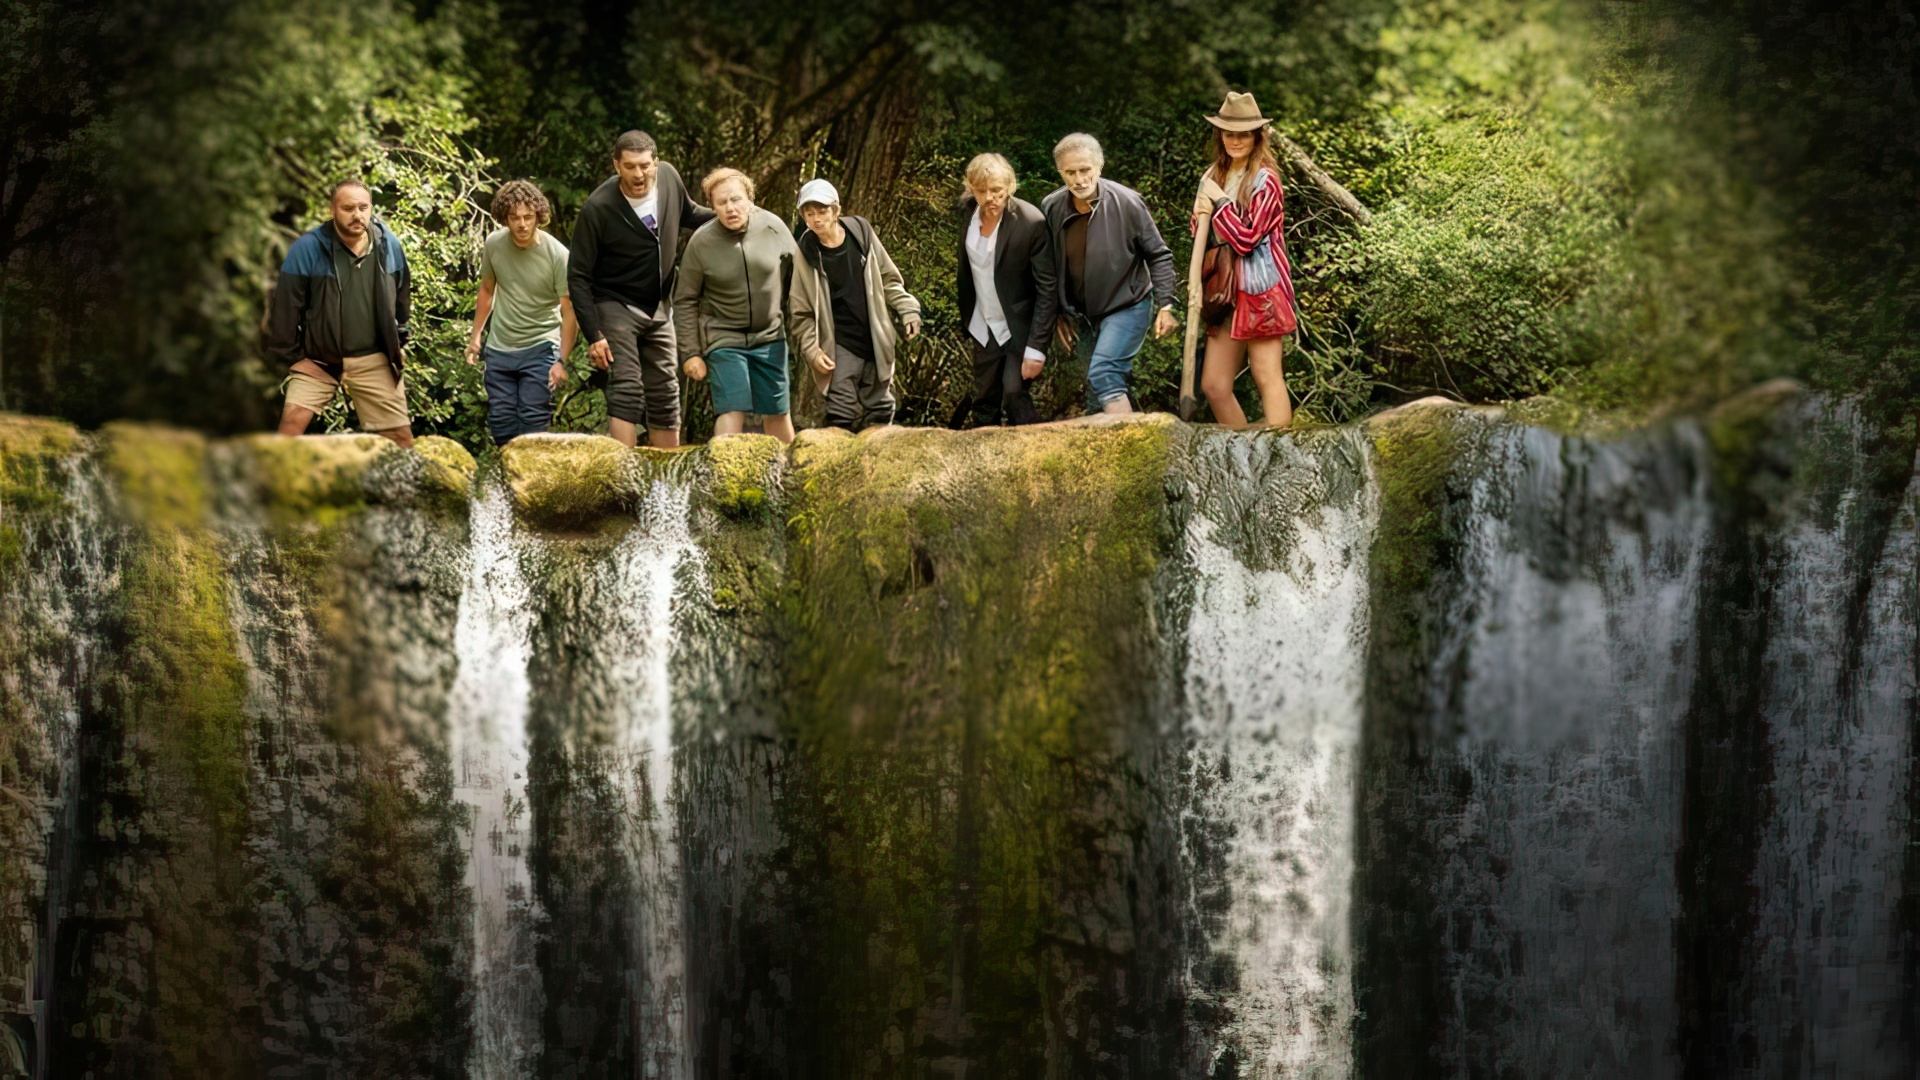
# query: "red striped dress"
[[1267, 314]]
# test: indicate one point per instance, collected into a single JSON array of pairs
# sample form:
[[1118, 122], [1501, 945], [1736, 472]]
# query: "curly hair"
[[515, 193]]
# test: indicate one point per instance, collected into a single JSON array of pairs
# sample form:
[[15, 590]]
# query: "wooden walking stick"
[[1195, 295]]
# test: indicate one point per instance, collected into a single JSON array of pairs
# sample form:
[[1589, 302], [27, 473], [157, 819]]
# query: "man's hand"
[[821, 362], [1164, 323], [912, 324], [473, 352], [1063, 330], [556, 375], [1030, 368], [601, 354], [696, 368]]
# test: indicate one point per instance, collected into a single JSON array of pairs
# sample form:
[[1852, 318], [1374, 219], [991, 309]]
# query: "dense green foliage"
[[1637, 205]]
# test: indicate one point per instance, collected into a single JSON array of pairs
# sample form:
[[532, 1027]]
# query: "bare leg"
[[1269, 375], [780, 427], [1225, 359], [294, 420], [730, 423], [402, 435], [661, 438], [624, 430], [1117, 407]]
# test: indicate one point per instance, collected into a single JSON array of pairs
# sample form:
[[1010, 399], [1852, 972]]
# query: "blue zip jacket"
[[303, 316]]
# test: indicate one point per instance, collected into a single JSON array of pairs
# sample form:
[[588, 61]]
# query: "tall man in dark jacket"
[[1007, 292], [339, 318], [625, 249], [1116, 273]]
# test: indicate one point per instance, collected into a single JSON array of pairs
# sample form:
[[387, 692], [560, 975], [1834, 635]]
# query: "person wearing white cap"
[[846, 332], [1241, 204]]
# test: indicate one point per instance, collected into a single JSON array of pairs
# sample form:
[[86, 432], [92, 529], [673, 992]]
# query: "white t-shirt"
[[647, 206]]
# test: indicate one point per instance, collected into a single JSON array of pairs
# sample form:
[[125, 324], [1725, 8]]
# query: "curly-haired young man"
[[525, 313]]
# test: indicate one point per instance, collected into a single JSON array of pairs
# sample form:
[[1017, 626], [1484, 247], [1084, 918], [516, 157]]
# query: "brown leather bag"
[[1218, 280]]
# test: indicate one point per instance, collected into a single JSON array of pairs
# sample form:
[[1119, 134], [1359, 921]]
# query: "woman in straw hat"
[[1240, 204]]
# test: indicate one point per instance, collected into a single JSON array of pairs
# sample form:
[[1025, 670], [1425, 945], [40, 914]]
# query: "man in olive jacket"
[[731, 307], [846, 332]]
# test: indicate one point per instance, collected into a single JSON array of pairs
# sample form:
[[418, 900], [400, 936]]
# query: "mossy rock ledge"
[[572, 481]]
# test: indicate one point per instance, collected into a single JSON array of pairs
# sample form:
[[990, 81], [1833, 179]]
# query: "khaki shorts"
[[378, 396]]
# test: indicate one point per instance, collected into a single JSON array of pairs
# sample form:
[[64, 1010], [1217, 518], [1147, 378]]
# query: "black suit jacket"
[[1023, 272], [606, 238]]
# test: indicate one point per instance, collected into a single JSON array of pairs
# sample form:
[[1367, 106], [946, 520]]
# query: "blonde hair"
[[985, 168], [720, 176]]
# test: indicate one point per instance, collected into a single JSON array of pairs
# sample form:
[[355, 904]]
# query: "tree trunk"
[[871, 144]]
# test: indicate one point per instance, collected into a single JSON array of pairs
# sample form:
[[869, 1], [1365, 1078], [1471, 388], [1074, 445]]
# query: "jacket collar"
[[329, 240]]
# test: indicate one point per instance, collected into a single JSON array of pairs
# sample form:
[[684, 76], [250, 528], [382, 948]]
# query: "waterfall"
[[1560, 689], [487, 744], [51, 635], [1488, 749], [1274, 681], [646, 566], [1839, 722]]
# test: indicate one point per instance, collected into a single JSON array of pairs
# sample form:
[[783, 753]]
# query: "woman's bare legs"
[[730, 423], [1225, 359], [1270, 377]]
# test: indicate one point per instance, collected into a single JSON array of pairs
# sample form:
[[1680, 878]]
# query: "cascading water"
[[1560, 690], [487, 745], [1838, 711], [1274, 682], [647, 566], [51, 633], [1498, 750]]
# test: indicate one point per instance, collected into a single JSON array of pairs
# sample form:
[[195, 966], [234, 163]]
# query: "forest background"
[[1636, 206]]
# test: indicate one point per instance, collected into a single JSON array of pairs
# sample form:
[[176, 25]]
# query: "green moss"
[[1565, 416], [1739, 429], [571, 481], [316, 477], [739, 471], [35, 435], [186, 682], [1415, 450], [957, 606], [159, 472], [30, 449], [932, 549], [450, 455], [12, 549], [176, 698]]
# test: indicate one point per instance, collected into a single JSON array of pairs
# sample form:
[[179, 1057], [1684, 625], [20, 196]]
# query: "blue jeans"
[[518, 401], [1108, 347]]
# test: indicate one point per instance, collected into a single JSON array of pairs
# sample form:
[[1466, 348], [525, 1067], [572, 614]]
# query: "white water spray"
[[487, 735], [1275, 670]]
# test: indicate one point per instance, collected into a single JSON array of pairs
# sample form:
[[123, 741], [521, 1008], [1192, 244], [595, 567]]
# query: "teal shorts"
[[749, 380]]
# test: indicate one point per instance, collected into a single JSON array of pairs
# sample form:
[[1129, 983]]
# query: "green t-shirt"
[[528, 286], [359, 276]]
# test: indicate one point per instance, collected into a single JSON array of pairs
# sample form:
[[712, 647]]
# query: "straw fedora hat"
[[1239, 113]]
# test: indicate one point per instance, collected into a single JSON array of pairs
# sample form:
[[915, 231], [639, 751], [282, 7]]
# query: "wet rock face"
[[1465, 742]]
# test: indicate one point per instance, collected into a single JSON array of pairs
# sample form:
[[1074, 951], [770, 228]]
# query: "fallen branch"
[[1328, 186]]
